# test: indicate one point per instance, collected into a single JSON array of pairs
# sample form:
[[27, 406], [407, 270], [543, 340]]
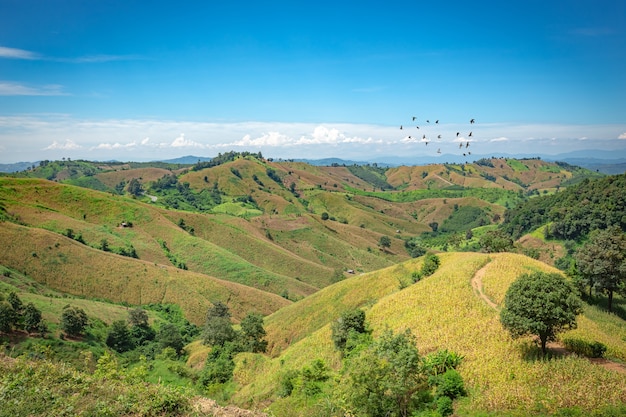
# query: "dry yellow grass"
[[444, 312], [68, 266], [145, 175]]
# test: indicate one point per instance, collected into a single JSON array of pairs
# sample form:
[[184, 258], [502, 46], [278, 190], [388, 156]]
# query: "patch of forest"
[[574, 212]]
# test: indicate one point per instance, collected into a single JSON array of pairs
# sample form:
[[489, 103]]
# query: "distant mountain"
[[607, 162], [189, 159], [18, 166]]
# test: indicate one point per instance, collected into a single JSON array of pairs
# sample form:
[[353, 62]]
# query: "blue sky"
[[143, 80]]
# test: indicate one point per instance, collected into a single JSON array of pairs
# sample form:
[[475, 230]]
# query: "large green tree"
[[218, 329], [385, 379], [169, 336], [602, 261], [540, 304], [32, 319], [73, 320], [252, 333], [8, 318], [119, 337], [349, 323]]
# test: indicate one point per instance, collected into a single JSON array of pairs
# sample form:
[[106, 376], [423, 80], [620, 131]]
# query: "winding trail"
[[477, 285]]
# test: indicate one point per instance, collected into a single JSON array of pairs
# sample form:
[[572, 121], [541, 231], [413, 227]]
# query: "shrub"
[[585, 348], [444, 406], [450, 385]]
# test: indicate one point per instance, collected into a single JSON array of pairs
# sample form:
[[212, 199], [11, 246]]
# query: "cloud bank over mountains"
[[53, 136]]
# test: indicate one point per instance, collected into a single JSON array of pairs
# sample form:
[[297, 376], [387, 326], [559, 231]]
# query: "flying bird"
[[414, 118], [457, 133], [470, 134], [460, 145], [400, 127], [436, 121], [439, 150], [472, 121], [438, 136], [467, 144]]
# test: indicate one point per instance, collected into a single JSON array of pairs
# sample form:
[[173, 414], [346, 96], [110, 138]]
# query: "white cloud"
[[14, 53], [266, 139], [67, 146], [116, 145], [181, 142], [17, 89], [24, 137]]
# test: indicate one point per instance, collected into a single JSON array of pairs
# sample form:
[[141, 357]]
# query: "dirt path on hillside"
[[208, 407], [442, 179], [477, 285]]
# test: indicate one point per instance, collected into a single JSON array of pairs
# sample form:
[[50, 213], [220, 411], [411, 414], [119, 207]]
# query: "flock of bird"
[[426, 140]]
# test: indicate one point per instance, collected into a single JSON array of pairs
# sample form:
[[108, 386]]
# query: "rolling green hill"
[[302, 244]]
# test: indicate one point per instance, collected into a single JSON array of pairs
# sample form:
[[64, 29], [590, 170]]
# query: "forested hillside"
[[572, 213]]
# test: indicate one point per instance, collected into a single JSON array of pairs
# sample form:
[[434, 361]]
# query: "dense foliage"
[[372, 175], [573, 212], [465, 218], [601, 262], [540, 304], [224, 158]]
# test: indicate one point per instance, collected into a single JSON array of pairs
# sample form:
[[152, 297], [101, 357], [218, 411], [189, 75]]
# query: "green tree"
[[252, 333], [219, 366], [602, 261], [8, 317], [385, 379], [73, 320], [119, 337], [351, 321], [495, 241], [218, 329], [384, 242], [32, 319], [138, 317], [135, 188], [140, 330], [169, 336], [15, 302], [540, 304], [18, 309]]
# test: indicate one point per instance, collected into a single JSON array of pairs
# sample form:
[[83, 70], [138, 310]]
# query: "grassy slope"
[[66, 265], [97, 216], [444, 313], [537, 174]]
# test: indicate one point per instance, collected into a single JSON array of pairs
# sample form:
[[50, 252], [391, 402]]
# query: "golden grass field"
[[66, 265], [444, 312]]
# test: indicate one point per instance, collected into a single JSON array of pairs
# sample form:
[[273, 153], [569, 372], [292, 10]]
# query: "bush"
[[431, 263], [450, 385], [444, 406], [585, 348]]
